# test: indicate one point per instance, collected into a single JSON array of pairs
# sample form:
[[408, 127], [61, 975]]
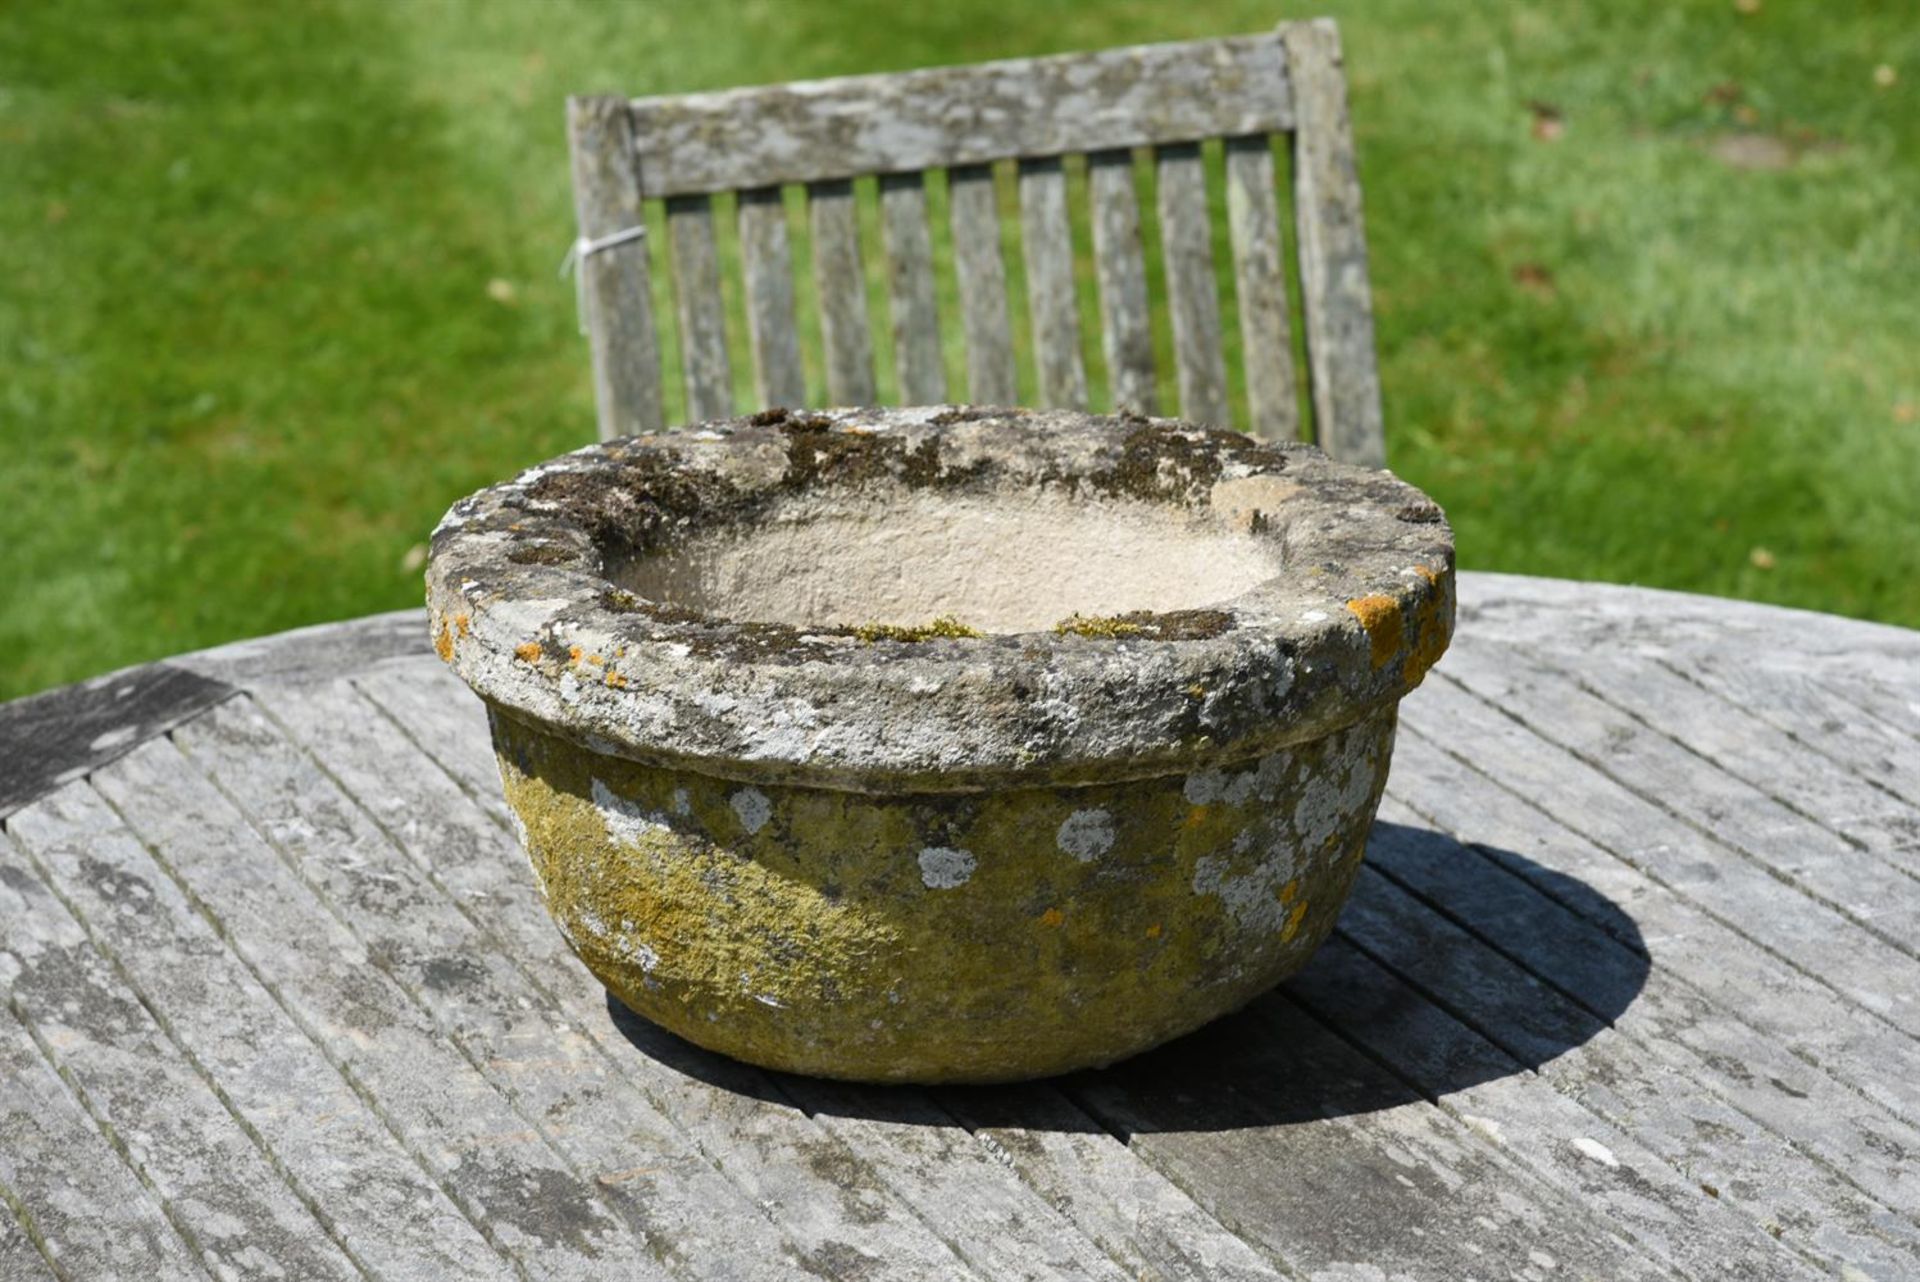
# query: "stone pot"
[[942, 745]]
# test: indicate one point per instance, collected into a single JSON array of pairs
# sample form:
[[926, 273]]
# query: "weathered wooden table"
[[1630, 988]]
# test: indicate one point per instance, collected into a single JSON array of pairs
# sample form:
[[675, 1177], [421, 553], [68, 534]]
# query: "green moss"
[[946, 626], [1114, 625], [1171, 625]]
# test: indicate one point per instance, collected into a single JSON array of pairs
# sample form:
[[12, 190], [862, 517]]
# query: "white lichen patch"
[[753, 809], [1237, 788], [1255, 897], [628, 823], [1334, 792], [1086, 834], [1203, 787], [943, 867]]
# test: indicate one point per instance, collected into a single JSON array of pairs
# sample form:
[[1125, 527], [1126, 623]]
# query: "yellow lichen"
[[946, 626], [797, 927], [1386, 630], [527, 652], [1081, 625]]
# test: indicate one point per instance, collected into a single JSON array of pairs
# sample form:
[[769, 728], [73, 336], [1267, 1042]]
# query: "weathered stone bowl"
[[942, 745]]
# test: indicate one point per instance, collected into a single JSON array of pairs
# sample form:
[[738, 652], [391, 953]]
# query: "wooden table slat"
[[1721, 1131], [1586, 1158], [1733, 813], [1855, 1145], [1866, 814], [1879, 981], [387, 1208], [1814, 712], [1747, 995], [21, 1259], [1318, 1152], [499, 1165], [1140, 1217], [185, 1144], [59, 1167]]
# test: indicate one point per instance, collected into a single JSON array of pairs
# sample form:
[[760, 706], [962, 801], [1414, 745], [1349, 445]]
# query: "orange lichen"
[[1433, 628], [1153, 931], [527, 652], [615, 680], [1195, 817], [1386, 630], [1052, 917], [462, 623], [573, 653], [443, 643], [1288, 891], [1292, 927]]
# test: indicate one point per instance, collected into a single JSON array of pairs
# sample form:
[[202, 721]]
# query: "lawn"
[[279, 281]]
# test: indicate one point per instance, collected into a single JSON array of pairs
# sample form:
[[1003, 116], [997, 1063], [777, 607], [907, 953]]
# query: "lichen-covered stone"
[[942, 745], [924, 937]]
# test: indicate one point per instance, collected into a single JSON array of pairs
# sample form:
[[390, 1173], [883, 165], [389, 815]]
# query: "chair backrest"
[[1031, 115]]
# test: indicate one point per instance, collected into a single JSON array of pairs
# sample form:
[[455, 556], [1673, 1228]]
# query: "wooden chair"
[[1034, 113]]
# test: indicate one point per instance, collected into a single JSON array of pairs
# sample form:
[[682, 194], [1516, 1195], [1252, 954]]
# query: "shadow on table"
[[1494, 967]]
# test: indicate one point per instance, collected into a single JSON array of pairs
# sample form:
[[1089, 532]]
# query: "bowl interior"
[[992, 562]]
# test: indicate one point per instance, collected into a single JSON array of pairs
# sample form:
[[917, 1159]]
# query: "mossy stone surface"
[[942, 937]]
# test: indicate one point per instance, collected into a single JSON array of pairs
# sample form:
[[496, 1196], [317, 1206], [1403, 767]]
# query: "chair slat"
[[912, 304], [841, 283], [1171, 100], [1186, 240], [974, 211], [1260, 289], [1126, 330], [696, 297], [1048, 243], [778, 376], [1333, 252], [942, 117], [614, 282]]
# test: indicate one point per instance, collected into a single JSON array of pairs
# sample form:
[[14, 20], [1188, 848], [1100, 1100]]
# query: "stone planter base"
[[971, 937]]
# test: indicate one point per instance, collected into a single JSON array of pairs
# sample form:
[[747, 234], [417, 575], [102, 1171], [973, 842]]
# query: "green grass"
[[249, 351]]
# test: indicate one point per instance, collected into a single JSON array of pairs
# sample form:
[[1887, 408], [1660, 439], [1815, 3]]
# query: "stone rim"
[[523, 611]]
